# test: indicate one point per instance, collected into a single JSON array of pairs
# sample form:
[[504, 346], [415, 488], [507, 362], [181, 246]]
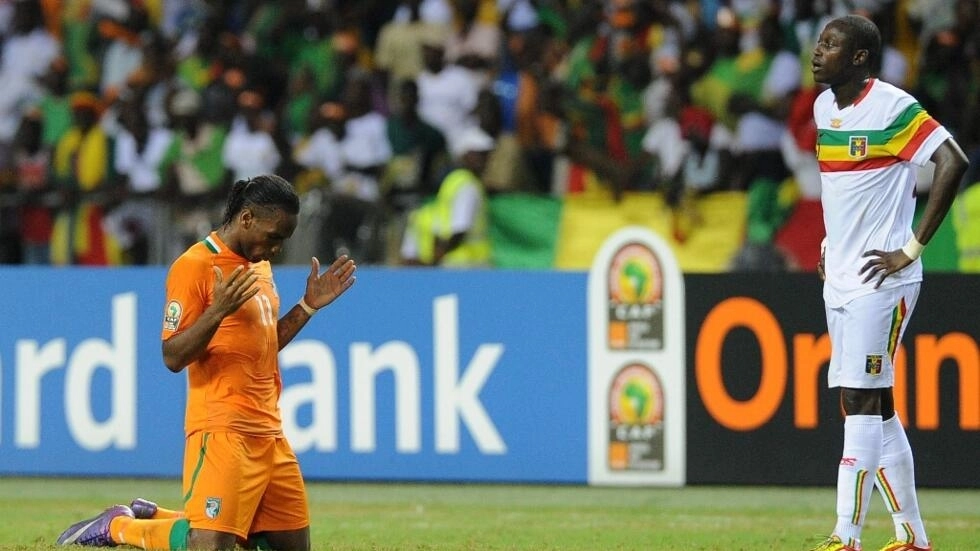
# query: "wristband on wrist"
[[306, 307], [913, 249]]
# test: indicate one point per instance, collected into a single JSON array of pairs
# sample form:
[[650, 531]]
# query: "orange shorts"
[[242, 484]]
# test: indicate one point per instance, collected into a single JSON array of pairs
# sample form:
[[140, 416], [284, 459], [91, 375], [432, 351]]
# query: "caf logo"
[[636, 397], [634, 276]]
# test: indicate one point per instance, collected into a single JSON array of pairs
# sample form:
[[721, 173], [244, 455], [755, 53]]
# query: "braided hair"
[[267, 191]]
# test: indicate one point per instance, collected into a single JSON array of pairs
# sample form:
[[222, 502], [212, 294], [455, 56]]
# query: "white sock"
[[855, 475], [895, 480]]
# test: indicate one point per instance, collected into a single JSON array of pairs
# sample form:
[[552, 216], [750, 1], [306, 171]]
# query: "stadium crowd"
[[123, 123]]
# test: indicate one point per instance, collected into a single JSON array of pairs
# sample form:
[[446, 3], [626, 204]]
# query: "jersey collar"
[[214, 243], [865, 91]]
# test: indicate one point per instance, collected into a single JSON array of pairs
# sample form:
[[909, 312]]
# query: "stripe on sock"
[[909, 533], [886, 489], [860, 478]]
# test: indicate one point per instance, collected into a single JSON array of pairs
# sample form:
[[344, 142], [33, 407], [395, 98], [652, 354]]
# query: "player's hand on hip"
[[231, 293], [324, 288], [883, 264]]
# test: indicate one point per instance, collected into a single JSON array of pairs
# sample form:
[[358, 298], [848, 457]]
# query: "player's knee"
[[290, 540], [861, 401], [210, 540], [887, 404]]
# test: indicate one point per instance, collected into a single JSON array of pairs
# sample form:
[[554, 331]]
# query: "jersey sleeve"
[[189, 285], [915, 134]]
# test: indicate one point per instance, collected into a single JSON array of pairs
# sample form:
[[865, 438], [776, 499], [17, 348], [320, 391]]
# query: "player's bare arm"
[[822, 263], [951, 164], [229, 295], [321, 290]]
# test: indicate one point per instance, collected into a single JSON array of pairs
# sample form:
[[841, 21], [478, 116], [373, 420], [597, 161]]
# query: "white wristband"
[[913, 249], [306, 307]]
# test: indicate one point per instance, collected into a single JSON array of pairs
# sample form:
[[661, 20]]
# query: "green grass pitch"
[[349, 516]]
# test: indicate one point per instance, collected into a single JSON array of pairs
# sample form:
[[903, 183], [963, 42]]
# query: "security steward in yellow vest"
[[966, 222], [452, 229]]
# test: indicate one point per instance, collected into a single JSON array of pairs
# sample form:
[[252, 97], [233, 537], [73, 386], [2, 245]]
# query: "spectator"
[[197, 54], [141, 221], [193, 171], [799, 236], [321, 58], [946, 83], [473, 44], [452, 230], [894, 64], [578, 86], [706, 169], [666, 150], [319, 163], [398, 53], [354, 223], [439, 12], [27, 52], [418, 149], [54, 105], [419, 158], [505, 170], [31, 162], [966, 220], [84, 174], [608, 72], [220, 98], [364, 145], [319, 151], [447, 92], [78, 35], [250, 148], [761, 112], [159, 71], [123, 48]]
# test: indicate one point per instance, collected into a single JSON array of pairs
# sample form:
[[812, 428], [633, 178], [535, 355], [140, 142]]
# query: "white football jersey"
[[867, 152]]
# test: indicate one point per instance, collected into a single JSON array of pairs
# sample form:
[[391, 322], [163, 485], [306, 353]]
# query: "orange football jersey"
[[235, 384]]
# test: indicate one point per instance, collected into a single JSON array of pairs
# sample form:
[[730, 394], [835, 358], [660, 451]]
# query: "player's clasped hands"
[[324, 288], [884, 264]]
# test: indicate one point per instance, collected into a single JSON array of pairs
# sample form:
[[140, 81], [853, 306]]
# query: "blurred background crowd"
[[124, 122]]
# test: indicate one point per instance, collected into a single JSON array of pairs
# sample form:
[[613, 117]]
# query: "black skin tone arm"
[[951, 164], [229, 295], [181, 349]]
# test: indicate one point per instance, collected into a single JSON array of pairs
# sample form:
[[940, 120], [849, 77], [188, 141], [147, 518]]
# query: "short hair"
[[265, 191], [863, 34]]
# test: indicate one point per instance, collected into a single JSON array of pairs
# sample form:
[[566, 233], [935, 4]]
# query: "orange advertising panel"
[[757, 389]]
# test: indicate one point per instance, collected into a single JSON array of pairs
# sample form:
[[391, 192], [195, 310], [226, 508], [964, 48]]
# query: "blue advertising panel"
[[413, 375]]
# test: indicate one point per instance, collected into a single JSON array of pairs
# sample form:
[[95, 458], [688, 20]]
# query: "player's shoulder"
[[888, 95], [195, 259], [262, 268], [824, 99], [887, 89]]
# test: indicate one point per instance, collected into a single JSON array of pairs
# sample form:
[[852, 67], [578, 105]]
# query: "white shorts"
[[865, 334]]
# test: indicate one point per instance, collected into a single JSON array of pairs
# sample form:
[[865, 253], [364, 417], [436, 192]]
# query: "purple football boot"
[[143, 508], [94, 532]]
